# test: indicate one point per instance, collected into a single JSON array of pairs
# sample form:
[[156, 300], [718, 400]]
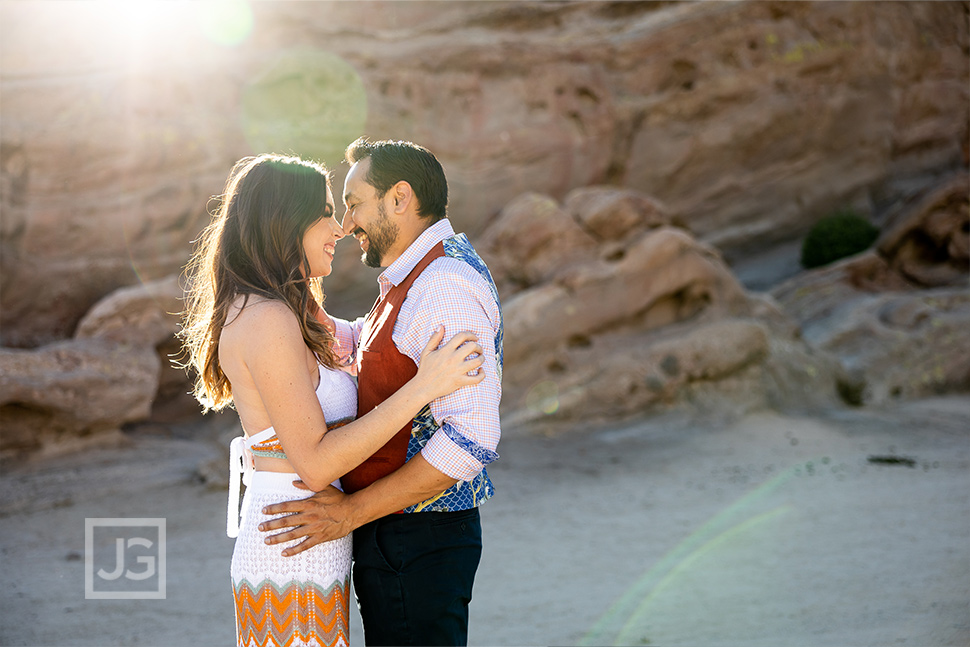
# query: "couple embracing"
[[392, 466]]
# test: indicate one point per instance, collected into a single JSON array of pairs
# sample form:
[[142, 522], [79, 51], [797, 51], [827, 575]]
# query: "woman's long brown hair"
[[254, 246]]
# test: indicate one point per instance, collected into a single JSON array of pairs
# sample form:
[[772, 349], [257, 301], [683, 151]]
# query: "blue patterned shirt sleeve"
[[482, 454]]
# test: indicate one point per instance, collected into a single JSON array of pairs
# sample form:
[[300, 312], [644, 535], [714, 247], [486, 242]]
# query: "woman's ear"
[[403, 196]]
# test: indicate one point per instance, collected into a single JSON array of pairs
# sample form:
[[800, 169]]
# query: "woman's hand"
[[456, 364]]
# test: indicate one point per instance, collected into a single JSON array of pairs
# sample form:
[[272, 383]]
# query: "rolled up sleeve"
[[458, 298]]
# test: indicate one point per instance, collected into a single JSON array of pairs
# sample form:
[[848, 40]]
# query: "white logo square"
[[124, 559]]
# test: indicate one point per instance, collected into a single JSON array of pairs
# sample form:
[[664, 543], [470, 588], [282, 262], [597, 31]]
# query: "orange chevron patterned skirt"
[[287, 601]]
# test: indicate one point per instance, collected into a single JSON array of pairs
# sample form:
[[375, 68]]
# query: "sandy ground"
[[773, 530]]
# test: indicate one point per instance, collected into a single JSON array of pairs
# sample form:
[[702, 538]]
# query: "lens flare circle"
[[225, 22], [543, 397], [306, 102]]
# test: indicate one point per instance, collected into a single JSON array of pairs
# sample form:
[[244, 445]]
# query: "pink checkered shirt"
[[452, 293]]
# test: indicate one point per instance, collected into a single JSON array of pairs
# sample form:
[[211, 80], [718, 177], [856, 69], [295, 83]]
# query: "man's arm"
[[346, 334], [469, 419], [457, 297], [331, 514]]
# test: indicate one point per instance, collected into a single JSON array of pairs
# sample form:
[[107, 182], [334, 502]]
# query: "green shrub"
[[839, 235]]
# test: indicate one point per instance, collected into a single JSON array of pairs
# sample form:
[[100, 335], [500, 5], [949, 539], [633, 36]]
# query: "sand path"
[[774, 530]]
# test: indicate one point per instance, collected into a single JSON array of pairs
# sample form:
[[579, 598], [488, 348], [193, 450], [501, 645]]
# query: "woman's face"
[[320, 241]]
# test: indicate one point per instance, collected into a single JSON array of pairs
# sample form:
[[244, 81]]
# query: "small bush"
[[839, 235]]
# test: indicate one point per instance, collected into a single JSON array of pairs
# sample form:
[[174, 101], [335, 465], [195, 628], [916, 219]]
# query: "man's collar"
[[399, 269]]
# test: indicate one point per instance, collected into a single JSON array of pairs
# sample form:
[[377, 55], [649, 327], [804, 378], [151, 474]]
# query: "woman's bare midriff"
[[266, 464]]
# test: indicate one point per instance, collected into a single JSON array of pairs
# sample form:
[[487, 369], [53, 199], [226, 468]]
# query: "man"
[[413, 506]]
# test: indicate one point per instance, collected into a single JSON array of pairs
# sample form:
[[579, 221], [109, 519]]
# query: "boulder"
[[117, 370], [897, 316], [664, 277], [929, 242], [893, 338], [657, 321], [531, 239], [147, 313], [813, 297], [726, 366], [649, 370], [610, 213], [73, 389], [900, 345]]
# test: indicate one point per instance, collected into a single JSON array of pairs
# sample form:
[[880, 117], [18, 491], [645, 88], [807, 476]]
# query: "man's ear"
[[403, 197]]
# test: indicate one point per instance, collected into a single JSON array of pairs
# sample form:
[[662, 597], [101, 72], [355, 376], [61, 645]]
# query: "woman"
[[251, 333]]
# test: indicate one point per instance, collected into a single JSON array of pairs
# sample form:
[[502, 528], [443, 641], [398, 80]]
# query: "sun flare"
[[148, 24]]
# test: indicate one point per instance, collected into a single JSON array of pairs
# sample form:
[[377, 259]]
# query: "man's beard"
[[380, 239]]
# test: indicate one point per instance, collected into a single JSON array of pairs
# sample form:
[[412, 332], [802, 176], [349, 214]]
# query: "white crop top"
[[337, 394]]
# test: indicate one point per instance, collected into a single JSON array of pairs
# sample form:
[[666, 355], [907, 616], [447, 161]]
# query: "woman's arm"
[[277, 362]]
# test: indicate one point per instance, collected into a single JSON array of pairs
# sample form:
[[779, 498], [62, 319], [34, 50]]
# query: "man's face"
[[366, 217]]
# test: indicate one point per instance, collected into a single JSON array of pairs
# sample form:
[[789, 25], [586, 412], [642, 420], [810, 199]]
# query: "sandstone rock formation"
[[895, 344], [148, 314], [897, 316], [611, 157], [747, 120], [929, 242], [530, 239], [110, 146], [622, 313], [75, 389], [116, 370]]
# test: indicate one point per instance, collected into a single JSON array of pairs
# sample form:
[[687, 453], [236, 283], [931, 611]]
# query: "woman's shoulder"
[[258, 316], [261, 330], [257, 310]]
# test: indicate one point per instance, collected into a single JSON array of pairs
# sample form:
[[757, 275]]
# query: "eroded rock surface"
[[748, 121], [636, 321], [928, 242], [116, 370], [606, 180], [897, 316], [73, 389], [148, 314]]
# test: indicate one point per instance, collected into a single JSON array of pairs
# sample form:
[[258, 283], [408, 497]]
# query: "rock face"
[[611, 159], [610, 311], [897, 316], [928, 242], [747, 120], [142, 314], [72, 389], [148, 315], [117, 369]]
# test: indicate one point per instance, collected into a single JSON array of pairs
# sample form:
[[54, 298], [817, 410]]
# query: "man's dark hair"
[[393, 161]]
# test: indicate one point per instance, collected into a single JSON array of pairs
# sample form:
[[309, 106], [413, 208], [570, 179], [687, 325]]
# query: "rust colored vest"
[[381, 370]]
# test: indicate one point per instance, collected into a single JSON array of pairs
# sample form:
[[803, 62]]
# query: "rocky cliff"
[[745, 121]]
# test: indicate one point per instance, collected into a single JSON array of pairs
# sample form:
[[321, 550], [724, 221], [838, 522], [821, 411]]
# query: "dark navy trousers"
[[413, 577]]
